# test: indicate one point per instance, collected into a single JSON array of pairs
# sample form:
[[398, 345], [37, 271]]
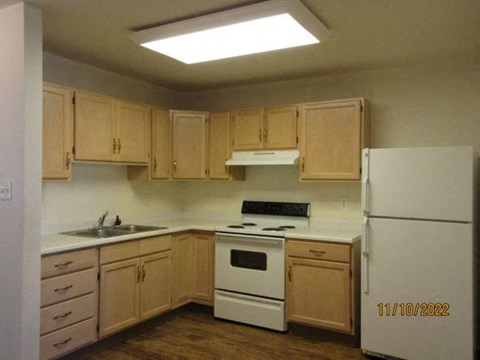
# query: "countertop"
[[58, 242]]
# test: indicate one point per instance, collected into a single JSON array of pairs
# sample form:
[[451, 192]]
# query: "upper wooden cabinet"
[[189, 144], [133, 124], [220, 148], [161, 144], [332, 135], [111, 130], [57, 132], [220, 144], [270, 128]]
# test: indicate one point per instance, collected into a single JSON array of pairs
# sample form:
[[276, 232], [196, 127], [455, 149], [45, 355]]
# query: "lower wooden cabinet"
[[69, 299], [193, 273], [321, 285], [135, 282]]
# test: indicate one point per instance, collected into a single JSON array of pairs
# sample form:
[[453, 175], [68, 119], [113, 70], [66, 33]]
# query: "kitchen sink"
[[112, 231], [138, 228]]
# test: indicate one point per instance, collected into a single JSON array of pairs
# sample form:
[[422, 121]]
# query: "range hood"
[[264, 157]]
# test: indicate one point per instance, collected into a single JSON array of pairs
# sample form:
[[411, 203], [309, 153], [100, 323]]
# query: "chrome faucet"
[[101, 219]]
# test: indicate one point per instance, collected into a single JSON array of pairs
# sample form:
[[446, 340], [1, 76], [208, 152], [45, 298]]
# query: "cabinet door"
[[119, 295], [219, 144], [189, 145], [318, 293], [330, 140], [248, 129], [184, 268], [204, 267], [156, 293], [57, 132], [161, 144], [133, 126], [94, 127], [280, 128]]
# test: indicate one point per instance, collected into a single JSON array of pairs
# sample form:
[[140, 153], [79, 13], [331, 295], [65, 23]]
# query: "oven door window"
[[248, 259]]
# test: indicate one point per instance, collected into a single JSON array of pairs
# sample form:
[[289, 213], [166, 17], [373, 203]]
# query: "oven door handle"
[[221, 237]]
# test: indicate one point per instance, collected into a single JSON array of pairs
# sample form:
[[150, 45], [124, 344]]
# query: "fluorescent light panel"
[[267, 26]]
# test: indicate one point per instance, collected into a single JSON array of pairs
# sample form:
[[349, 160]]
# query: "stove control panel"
[[275, 208]]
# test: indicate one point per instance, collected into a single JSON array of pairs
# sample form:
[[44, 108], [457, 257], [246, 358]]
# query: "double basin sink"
[[111, 231]]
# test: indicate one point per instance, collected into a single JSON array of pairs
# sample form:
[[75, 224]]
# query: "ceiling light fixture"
[[266, 26]]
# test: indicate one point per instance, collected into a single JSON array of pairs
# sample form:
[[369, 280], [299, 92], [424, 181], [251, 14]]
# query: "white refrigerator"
[[417, 297]]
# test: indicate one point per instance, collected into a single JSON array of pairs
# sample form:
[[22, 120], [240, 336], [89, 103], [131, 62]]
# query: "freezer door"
[[419, 183], [419, 299]]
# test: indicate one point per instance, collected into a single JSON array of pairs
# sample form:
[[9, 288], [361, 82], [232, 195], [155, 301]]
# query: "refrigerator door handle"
[[365, 182], [365, 249], [365, 236]]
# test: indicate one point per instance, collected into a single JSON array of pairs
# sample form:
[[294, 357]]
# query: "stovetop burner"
[[273, 229], [236, 226]]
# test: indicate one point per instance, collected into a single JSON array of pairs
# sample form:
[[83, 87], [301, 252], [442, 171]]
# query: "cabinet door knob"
[[119, 146], [264, 135], [303, 163], [138, 274], [260, 134], [174, 165], [143, 273], [114, 145], [154, 164], [290, 273]]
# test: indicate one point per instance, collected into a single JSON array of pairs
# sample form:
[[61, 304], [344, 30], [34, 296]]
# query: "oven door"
[[250, 264]]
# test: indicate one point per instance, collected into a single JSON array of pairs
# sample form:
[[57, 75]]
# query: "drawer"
[[68, 286], [65, 340], [155, 244], [318, 250], [53, 265], [66, 313], [121, 251]]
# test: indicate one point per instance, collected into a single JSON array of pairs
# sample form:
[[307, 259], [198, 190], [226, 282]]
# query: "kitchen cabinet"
[[69, 297], [189, 145], [331, 138], [57, 132], [204, 253], [135, 282], [184, 268], [161, 144], [193, 261], [220, 148], [269, 128], [111, 130], [322, 285]]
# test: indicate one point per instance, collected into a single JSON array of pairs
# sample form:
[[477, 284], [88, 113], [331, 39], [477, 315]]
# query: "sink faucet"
[[101, 219]]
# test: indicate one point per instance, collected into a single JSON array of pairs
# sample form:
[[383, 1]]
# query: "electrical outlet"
[[6, 191], [343, 203]]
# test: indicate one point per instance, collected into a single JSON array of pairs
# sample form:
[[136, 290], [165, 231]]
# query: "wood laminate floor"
[[193, 333]]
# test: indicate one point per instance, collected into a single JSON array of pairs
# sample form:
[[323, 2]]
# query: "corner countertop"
[[55, 243]]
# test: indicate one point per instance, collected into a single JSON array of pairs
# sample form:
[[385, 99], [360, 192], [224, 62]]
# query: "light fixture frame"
[[269, 8]]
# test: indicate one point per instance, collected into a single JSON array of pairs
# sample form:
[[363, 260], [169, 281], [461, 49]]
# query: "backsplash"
[[68, 205]]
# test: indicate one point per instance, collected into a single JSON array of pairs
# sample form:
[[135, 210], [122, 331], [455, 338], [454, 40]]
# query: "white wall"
[[20, 159], [59, 70]]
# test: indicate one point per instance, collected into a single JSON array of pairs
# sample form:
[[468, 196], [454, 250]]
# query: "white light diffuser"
[[267, 26]]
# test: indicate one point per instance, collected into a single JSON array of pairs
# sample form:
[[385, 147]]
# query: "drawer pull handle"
[[138, 274], [60, 343], [65, 288], [62, 316], [66, 263], [290, 273], [317, 252], [143, 273]]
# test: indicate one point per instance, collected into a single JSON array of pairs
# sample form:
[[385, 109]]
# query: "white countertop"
[[57, 242]]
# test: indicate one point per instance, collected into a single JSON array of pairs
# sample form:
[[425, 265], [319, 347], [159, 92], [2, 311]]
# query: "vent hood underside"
[[267, 157]]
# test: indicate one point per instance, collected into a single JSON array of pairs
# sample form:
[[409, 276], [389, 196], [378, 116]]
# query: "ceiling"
[[364, 34]]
